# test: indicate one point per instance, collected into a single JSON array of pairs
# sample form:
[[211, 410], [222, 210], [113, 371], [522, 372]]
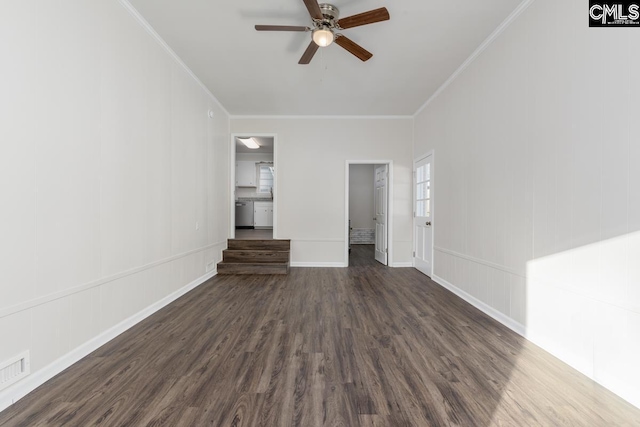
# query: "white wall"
[[538, 189], [361, 189], [107, 163], [311, 155], [255, 157]]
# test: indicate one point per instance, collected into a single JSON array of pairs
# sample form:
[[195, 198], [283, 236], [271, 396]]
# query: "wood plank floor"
[[362, 346], [253, 234]]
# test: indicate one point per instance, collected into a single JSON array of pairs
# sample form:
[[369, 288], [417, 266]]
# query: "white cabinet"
[[245, 174], [263, 214]]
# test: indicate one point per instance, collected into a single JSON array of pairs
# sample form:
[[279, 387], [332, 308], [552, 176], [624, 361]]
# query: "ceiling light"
[[249, 142], [323, 37]]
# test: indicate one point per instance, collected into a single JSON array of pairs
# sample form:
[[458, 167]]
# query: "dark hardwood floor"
[[248, 234], [365, 345]]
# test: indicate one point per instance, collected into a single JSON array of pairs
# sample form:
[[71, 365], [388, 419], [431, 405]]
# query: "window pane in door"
[[420, 191]]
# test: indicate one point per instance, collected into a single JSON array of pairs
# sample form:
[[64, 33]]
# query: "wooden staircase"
[[255, 257]]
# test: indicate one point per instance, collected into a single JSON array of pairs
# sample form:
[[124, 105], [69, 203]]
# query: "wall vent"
[[210, 266], [14, 369]]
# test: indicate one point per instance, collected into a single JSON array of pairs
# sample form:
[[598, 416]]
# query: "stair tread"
[[255, 255], [254, 263], [232, 268], [257, 250], [276, 245], [262, 240]]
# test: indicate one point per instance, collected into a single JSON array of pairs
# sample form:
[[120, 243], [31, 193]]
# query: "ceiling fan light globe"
[[323, 37]]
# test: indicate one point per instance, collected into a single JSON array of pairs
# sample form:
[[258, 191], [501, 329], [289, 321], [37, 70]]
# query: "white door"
[[423, 231], [380, 201]]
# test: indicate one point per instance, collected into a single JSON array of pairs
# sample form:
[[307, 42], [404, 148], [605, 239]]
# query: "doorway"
[[423, 214], [368, 210], [253, 187]]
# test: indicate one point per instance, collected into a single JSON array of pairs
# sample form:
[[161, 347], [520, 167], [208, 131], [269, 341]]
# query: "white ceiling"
[[257, 73]]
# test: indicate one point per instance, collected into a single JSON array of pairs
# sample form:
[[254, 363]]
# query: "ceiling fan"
[[326, 24]]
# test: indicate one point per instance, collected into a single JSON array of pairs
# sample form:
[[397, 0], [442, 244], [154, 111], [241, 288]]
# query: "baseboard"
[[486, 309], [317, 264], [619, 390], [402, 264], [26, 305], [36, 379]]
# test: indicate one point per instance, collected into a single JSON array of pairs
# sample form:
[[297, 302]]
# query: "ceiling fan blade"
[[313, 8], [280, 28], [307, 56], [354, 48], [376, 15]]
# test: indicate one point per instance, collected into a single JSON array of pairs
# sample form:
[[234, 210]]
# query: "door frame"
[[389, 164], [232, 179], [431, 153]]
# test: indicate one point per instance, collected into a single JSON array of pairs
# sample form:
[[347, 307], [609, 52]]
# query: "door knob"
[[428, 223]]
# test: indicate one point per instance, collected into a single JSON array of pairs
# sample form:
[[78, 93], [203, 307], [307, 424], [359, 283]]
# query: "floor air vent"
[[14, 369]]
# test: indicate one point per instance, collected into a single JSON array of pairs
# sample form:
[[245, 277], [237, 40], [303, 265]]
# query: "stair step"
[[251, 256], [275, 245], [253, 268], [246, 256]]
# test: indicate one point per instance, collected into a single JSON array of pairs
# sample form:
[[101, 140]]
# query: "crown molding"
[[476, 53], [319, 117], [145, 24]]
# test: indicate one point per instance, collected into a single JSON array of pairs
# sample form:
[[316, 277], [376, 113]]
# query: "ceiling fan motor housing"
[[330, 13]]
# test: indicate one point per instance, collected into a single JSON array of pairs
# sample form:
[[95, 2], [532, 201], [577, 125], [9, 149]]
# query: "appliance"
[[244, 214], [326, 23]]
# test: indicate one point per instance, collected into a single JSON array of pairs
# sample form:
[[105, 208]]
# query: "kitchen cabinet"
[[245, 174], [263, 214]]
